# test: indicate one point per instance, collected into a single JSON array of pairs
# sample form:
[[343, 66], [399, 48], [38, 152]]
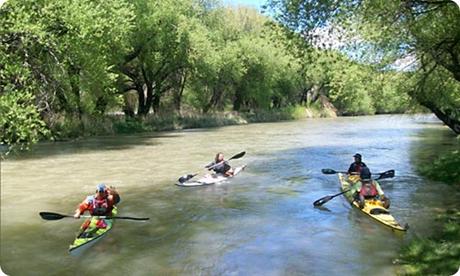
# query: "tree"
[[159, 51], [425, 30], [69, 47]]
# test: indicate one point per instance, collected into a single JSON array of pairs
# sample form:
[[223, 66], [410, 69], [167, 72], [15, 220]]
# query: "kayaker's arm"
[[210, 165], [81, 208], [350, 169], [356, 188], [77, 214], [379, 189], [113, 195]]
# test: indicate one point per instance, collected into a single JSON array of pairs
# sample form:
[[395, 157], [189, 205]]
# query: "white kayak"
[[210, 179]]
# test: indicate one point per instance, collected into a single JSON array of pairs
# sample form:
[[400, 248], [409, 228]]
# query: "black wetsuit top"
[[356, 167], [221, 168]]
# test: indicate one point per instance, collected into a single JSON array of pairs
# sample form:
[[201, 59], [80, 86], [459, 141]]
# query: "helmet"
[[100, 187], [357, 156], [365, 174]]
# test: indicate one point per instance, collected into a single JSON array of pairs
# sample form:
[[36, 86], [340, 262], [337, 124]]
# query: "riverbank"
[[439, 254], [119, 124]]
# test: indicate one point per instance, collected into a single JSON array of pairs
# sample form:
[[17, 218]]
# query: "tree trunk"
[[101, 105], [178, 93], [147, 97], [238, 101], [74, 76], [156, 101], [140, 99], [215, 98], [446, 116]]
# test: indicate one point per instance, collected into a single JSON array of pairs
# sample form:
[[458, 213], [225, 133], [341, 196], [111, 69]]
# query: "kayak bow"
[[88, 237]]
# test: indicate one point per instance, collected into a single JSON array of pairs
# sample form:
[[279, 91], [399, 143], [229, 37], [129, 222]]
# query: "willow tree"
[[57, 59], [160, 46], [426, 32]]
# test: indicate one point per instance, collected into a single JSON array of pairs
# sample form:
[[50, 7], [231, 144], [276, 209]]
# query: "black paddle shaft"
[[325, 199], [56, 216]]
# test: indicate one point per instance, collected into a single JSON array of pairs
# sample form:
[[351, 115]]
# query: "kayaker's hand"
[[77, 215]]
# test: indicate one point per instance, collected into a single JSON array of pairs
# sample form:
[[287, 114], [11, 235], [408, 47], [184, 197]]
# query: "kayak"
[[373, 208], [98, 227], [210, 179]]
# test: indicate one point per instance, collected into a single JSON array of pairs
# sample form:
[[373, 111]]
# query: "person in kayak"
[[220, 166], [356, 167], [100, 204], [367, 188]]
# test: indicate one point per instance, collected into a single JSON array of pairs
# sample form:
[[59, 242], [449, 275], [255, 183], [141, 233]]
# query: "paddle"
[[323, 200], [387, 174], [187, 177], [56, 216]]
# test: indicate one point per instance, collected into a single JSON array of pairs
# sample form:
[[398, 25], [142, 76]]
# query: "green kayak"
[[97, 228]]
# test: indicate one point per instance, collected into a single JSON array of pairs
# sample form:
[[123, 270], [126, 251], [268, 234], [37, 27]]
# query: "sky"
[[253, 3]]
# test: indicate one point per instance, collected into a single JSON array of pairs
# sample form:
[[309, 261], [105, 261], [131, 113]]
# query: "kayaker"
[[370, 189], [100, 204], [356, 167], [220, 166]]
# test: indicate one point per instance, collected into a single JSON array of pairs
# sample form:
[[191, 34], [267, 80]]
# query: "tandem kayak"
[[210, 179], [97, 228], [372, 208]]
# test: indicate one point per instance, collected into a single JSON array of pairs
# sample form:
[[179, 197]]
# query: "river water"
[[259, 223]]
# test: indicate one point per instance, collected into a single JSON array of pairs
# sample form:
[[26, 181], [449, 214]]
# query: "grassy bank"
[[445, 168], [439, 254], [119, 124]]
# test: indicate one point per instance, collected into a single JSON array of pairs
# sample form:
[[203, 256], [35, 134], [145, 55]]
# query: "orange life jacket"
[[97, 206]]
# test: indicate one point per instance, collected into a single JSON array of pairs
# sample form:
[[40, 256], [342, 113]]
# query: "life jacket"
[[358, 167], [369, 190], [99, 206]]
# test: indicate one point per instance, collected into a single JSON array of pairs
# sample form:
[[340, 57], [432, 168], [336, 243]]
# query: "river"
[[259, 223]]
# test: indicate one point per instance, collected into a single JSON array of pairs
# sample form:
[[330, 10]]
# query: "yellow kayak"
[[372, 207]]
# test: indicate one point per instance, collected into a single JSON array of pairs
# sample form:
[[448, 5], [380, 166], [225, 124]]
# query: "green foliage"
[[445, 168], [130, 126], [386, 93], [417, 36], [282, 114], [20, 123], [439, 255], [81, 60]]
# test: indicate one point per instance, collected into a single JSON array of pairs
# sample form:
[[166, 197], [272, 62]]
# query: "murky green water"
[[260, 223]]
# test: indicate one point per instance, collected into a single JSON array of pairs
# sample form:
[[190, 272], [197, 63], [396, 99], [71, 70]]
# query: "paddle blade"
[[328, 171], [322, 201], [387, 174], [186, 177], [52, 216], [239, 155]]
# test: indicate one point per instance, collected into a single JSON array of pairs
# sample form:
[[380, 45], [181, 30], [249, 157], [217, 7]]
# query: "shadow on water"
[[103, 143], [92, 144]]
